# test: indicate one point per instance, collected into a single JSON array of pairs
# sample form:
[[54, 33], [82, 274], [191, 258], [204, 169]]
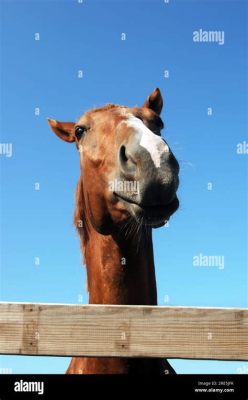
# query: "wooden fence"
[[124, 331]]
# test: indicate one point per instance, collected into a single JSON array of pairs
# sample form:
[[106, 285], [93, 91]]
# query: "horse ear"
[[64, 130], [154, 101]]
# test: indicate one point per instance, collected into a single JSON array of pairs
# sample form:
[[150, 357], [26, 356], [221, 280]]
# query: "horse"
[[127, 186]]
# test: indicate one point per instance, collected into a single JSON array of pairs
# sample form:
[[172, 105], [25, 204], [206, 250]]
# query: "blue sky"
[[37, 224]]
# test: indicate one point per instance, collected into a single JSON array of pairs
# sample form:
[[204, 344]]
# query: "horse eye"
[[79, 131]]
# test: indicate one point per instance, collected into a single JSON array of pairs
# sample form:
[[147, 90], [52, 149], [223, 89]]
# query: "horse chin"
[[154, 216], [157, 225]]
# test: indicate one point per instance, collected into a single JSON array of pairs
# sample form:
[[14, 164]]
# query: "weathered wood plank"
[[124, 331]]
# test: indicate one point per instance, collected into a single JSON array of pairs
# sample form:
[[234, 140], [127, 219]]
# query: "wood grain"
[[124, 331]]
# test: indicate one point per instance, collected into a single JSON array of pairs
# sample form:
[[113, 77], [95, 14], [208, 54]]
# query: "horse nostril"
[[127, 162], [123, 156]]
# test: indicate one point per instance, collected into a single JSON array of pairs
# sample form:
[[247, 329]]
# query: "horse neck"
[[118, 272]]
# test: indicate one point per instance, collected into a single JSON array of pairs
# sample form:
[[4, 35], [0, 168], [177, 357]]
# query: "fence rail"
[[124, 331]]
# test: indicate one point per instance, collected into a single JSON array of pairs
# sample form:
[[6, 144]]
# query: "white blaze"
[[154, 144]]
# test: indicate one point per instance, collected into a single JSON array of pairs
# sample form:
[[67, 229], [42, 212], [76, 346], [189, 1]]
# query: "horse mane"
[[80, 219], [106, 107]]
